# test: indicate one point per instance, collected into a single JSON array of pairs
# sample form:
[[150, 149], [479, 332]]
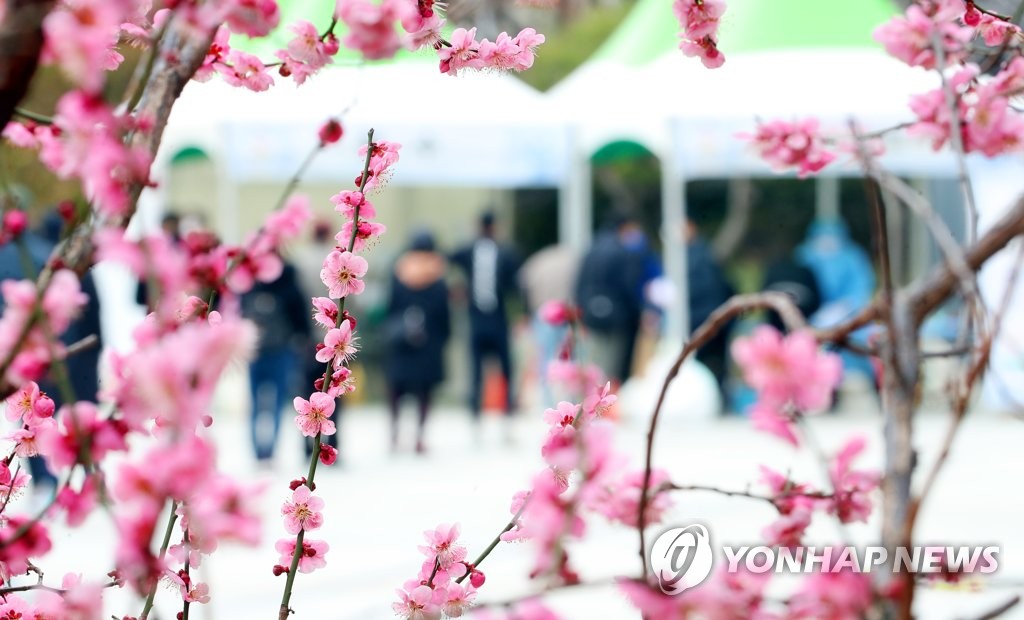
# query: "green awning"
[[651, 30]]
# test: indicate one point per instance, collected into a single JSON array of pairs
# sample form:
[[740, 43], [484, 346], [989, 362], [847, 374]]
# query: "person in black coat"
[[280, 311], [609, 293], [708, 289], [492, 275], [417, 329]]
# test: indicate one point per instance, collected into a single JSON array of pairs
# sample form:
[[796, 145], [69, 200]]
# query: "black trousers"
[[482, 345]]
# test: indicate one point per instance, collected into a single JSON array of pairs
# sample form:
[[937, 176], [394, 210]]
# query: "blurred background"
[[610, 175]]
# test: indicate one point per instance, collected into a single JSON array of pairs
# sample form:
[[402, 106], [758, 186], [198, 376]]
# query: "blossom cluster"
[[792, 144], [372, 31], [439, 588], [33, 317], [87, 142], [790, 375], [988, 122], [342, 273], [700, 20]]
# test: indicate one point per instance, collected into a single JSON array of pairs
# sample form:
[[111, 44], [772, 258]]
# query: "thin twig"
[[779, 302], [1000, 610]]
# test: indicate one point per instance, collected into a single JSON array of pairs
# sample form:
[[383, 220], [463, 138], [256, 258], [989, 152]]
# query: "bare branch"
[[779, 302]]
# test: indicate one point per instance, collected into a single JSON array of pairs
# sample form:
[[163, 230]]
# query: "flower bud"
[[330, 132]]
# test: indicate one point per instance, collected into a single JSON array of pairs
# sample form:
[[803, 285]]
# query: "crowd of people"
[[611, 282]]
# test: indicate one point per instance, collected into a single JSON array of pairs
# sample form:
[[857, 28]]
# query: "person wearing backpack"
[[609, 293]]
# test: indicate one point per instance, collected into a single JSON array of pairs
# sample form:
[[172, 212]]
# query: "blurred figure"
[[417, 329], [846, 281], [547, 276], [170, 226], [708, 289], [280, 311], [83, 366], [490, 270], [786, 275], [308, 260], [609, 293]]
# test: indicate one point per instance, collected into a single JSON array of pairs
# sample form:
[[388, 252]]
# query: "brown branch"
[[180, 52], [773, 500], [779, 302], [21, 41], [84, 344], [931, 291]]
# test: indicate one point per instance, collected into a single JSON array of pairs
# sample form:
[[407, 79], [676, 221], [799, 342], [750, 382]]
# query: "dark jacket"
[[492, 319], [83, 367], [708, 288], [280, 311], [418, 322], [609, 286]]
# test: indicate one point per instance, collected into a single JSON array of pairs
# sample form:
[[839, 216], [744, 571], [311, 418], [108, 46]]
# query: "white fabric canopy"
[[708, 110], [471, 130]]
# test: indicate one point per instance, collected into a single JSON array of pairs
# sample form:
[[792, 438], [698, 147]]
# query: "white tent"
[[482, 129]]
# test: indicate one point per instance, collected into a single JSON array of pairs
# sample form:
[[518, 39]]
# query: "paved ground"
[[378, 503]]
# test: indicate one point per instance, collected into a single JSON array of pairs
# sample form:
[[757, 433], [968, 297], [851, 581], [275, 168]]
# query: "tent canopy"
[[473, 130]]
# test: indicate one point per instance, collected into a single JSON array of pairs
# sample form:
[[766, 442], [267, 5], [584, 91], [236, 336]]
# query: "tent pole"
[[673, 215], [826, 194], [574, 210]]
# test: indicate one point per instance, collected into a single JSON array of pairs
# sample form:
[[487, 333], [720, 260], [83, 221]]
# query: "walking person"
[[609, 293], [491, 273], [280, 311], [417, 329], [708, 289]]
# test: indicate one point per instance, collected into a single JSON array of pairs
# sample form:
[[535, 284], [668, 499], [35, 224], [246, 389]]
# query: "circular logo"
[[681, 558]]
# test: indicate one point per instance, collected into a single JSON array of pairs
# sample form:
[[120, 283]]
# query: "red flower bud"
[[330, 132], [328, 454], [15, 222], [279, 570]]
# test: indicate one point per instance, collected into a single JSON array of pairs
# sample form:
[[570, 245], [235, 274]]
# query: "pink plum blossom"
[[32, 541], [325, 313], [418, 601], [347, 202], [770, 419], [700, 20], [366, 232], [442, 546], [303, 511], [995, 31], [785, 145], [80, 37], [788, 369], [29, 405], [314, 414], [311, 558], [342, 273], [851, 501], [909, 37], [245, 70], [372, 26], [255, 18], [461, 53]]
